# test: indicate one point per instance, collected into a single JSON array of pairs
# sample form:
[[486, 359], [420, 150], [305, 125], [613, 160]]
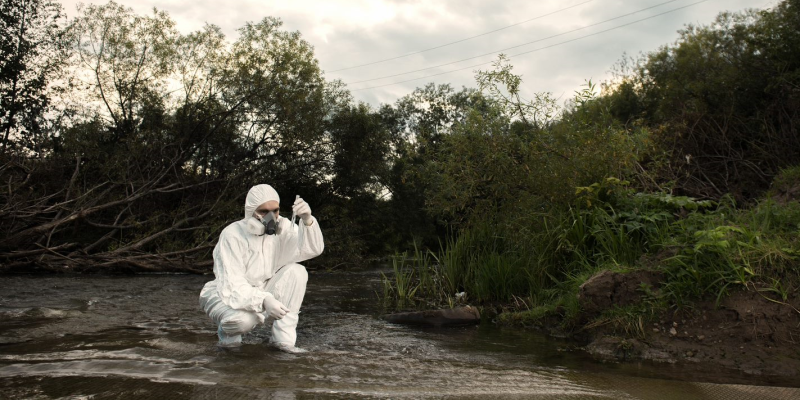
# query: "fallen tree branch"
[[19, 254]]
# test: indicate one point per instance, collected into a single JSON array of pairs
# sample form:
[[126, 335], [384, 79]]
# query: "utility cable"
[[514, 47], [538, 49], [459, 41]]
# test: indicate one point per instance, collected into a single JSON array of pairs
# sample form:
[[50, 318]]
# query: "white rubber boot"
[[226, 340], [284, 333]]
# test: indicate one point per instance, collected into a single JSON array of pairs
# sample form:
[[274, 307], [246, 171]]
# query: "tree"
[[33, 48], [361, 146], [517, 157], [722, 103], [418, 124], [273, 87], [127, 57], [172, 131]]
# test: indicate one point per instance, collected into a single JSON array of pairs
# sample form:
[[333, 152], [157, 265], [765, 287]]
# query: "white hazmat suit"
[[249, 268]]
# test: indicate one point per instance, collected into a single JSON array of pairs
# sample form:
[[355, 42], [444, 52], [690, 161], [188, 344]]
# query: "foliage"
[[129, 57], [510, 157], [786, 185], [169, 132], [704, 249], [33, 48], [507, 201], [417, 124], [712, 117], [721, 104], [502, 87]]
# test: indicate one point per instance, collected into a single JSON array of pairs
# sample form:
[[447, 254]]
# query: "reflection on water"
[[145, 337]]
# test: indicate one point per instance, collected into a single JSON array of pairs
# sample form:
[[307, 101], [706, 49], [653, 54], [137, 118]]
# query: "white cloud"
[[348, 33]]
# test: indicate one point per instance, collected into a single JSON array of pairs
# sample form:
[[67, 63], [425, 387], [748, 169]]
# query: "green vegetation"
[[537, 264], [133, 145], [667, 170]]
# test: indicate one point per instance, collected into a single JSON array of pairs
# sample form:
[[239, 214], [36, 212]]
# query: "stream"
[[104, 337]]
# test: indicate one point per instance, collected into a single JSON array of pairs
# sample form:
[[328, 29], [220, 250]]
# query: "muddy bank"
[[746, 333]]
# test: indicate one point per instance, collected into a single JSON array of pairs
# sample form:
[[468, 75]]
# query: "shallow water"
[[145, 337]]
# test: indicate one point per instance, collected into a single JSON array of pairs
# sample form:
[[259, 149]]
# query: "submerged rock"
[[458, 316], [44, 312], [12, 340]]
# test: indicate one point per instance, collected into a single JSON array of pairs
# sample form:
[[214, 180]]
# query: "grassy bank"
[[531, 266]]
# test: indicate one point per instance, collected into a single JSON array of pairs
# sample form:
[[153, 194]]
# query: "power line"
[[514, 47], [462, 40], [538, 49]]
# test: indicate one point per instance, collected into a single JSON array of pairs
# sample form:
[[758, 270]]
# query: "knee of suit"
[[240, 323], [299, 272]]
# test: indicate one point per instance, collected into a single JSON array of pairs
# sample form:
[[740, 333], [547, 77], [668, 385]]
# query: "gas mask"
[[267, 225]]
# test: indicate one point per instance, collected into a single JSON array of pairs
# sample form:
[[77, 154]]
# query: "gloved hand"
[[274, 308], [302, 209]]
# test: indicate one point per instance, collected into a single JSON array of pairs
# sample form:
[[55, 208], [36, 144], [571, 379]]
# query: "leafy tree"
[[272, 86], [33, 47], [429, 112], [128, 58], [516, 157], [721, 103], [361, 145], [418, 125], [171, 131]]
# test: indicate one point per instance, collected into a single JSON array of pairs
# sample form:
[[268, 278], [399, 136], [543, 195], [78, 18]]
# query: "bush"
[[721, 104]]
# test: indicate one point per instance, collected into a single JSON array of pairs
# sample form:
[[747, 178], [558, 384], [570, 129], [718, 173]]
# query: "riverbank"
[[633, 275], [746, 333]]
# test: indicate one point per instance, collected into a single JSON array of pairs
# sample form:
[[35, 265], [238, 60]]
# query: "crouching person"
[[256, 270]]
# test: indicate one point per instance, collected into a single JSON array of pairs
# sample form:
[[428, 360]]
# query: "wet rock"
[[673, 332], [458, 316], [606, 289], [610, 348], [657, 355], [618, 349]]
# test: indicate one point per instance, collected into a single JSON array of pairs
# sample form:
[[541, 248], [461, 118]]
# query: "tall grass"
[[539, 261], [755, 248]]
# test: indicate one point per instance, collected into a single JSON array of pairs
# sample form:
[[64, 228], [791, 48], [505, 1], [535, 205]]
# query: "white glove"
[[274, 308], [302, 209]]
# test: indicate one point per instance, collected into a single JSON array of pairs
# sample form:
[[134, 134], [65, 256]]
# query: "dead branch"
[[20, 254]]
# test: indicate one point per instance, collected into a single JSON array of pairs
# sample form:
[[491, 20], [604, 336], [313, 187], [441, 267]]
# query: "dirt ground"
[[746, 333]]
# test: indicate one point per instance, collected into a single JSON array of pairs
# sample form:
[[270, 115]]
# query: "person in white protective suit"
[[258, 277]]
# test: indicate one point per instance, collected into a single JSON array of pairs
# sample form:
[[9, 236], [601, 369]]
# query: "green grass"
[[531, 317], [535, 263], [629, 321]]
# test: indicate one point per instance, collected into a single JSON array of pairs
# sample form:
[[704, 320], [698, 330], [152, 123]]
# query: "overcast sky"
[[347, 33]]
